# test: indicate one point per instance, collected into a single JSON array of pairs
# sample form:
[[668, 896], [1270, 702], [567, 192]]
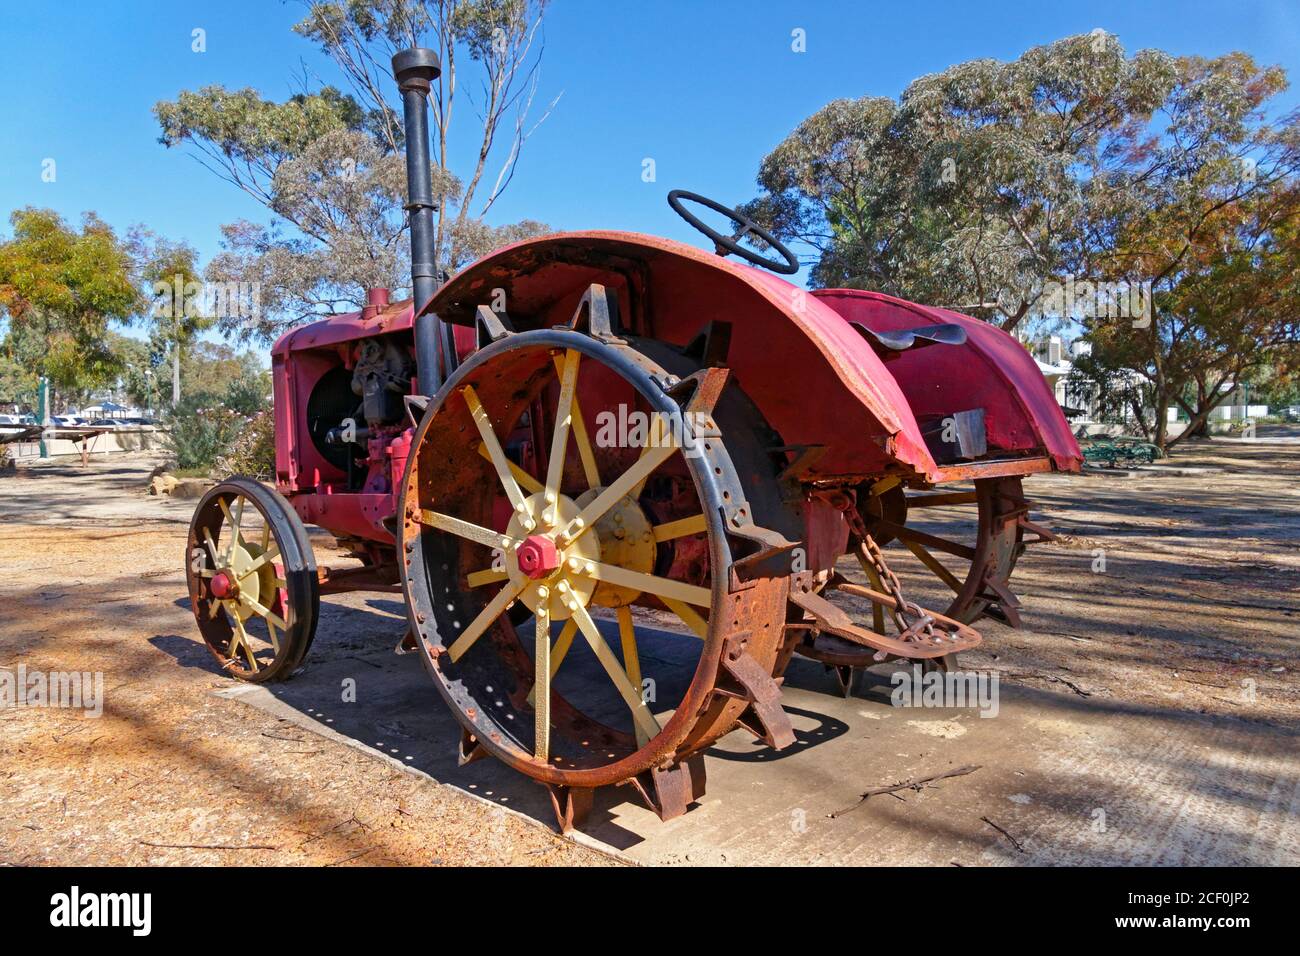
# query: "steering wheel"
[[726, 244]]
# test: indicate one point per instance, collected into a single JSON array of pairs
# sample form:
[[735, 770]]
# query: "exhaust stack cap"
[[416, 68]]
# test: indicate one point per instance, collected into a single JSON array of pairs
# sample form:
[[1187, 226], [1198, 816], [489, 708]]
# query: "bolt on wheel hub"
[[558, 574], [538, 556], [222, 586]]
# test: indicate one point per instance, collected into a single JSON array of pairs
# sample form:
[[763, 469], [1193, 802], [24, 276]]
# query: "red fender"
[[991, 371], [811, 374]]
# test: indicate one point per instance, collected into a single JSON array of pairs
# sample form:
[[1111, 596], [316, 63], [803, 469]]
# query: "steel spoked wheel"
[[967, 538], [523, 491], [252, 580]]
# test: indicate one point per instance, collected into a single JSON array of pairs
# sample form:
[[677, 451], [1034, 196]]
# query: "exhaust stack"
[[415, 69]]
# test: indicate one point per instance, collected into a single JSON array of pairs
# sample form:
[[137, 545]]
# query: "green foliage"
[[205, 426], [253, 451], [252, 134], [200, 431], [60, 289], [246, 396], [989, 185], [214, 366], [327, 164]]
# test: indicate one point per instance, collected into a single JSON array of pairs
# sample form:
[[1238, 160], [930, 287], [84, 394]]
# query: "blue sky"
[[706, 89]]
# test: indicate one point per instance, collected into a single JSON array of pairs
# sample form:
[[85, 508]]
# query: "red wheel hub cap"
[[538, 556], [221, 585]]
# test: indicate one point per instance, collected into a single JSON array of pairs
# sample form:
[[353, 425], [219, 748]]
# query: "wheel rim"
[[245, 575], [587, 540], [977, 561]]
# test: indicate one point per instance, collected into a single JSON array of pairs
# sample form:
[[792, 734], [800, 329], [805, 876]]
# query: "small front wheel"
[[252, 580]]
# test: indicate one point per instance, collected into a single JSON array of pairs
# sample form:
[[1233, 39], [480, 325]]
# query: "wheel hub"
[[560, 576], [223, 586], [627, 540], [538, 556]]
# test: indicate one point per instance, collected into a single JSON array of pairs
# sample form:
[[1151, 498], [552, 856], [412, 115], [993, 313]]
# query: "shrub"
[[253, 452], [246, 395], [200, 432], [207, 426]]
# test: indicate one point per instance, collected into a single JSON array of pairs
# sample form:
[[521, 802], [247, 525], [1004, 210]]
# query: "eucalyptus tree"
[[326, 164]]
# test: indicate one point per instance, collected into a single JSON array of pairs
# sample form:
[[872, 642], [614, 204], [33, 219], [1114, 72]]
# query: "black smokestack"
[[415, 69]]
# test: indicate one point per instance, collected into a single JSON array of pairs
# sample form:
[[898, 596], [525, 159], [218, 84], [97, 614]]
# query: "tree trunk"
[[176, 374], [1195, 427], [1161, 436]]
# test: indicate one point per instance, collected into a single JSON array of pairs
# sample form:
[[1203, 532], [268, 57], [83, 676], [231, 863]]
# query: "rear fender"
[[812, 376]]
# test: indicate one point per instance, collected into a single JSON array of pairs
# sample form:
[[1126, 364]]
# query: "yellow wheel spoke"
[[645, 720], [212, 547], [558, 652], [495, 608], [687, 613], [585, 452], [680, 528], [476, 579], [275, 641], [206, 572], [634, 477], [652, 583], [266, 536], [235, 519], [466, 530], [654, 441], [525, 480], [883, 485], [931, 562], [631, 661], [495, 454], [563, 421], [265, 612], [243, 640], [260, 560], [542, 689], [280, 582]]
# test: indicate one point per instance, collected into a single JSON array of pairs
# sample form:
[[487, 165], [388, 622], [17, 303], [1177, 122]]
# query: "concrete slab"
[[1062, 779]]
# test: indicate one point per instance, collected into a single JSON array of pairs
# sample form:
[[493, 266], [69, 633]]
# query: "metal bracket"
[[712, 345], [497, 326], [668, 792], [413, 402], [601, 312], [765, 718], [469, 749], [572, 805]]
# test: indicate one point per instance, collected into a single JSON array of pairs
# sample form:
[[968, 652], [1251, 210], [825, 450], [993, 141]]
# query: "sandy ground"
[[1193, 619], [171, 773]]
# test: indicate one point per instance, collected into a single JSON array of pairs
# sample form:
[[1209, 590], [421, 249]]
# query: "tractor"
[[621, 481]]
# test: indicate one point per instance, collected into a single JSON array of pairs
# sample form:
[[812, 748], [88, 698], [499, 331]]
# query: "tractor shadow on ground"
[[355, 686]]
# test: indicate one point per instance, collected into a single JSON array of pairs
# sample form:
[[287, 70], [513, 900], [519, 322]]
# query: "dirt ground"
[[1175, 589]]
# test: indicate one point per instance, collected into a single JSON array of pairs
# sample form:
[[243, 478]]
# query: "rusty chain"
[[912, 620]]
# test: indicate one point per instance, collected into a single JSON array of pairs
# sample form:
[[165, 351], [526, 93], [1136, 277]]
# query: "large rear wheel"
[[571, 523]]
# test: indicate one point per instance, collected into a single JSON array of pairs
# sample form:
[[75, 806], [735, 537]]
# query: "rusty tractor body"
[[622, 481]]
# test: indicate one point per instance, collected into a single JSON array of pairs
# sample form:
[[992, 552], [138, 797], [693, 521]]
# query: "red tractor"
[[614, 477]]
